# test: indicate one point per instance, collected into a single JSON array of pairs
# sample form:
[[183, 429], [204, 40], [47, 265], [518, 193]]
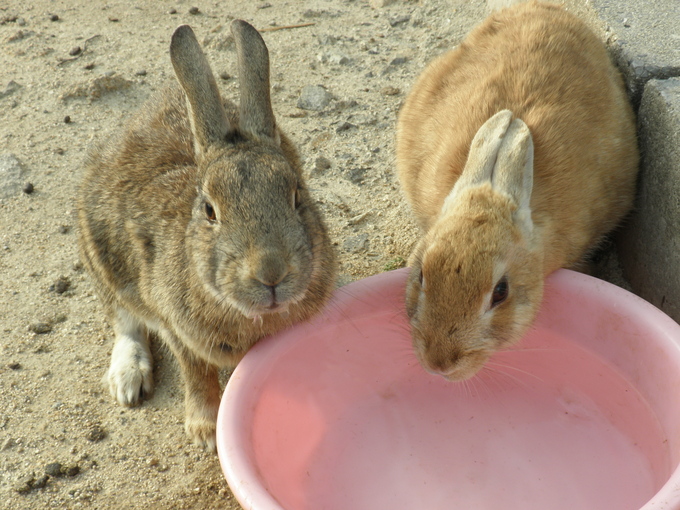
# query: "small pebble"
[[96, 434], [63, 229], [321, 164], [41, 482], [76, 50], [14, 366], [54, 17], [28, 188], [344, 126], [67, 119], [59, 151], [172, 11], [398, 61], [53, 469], [225, 76], [89, 66], [313, 97], [71, 470], [61, 285], [390, 91], [40, 328], [194, 10], [141, 72], [24, 484], [398, 20], [113, 19]]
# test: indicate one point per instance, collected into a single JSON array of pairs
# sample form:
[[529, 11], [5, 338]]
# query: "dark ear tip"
[[240, 29], [182, 32]]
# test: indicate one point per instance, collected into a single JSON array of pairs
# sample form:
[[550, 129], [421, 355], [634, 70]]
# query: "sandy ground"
[[71, 73]]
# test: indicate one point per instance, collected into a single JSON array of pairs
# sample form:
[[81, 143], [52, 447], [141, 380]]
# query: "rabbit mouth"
[[274, 307]]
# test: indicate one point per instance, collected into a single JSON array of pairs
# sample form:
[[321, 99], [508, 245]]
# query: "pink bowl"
[[337, 413]]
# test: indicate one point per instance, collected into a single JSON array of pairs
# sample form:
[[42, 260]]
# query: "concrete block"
[[644, 37], [649, 243]]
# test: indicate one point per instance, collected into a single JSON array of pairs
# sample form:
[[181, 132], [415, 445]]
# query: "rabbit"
[[195, 224], [517, 153]]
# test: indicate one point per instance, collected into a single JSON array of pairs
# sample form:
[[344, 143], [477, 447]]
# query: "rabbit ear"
[[514, 170], [482, 157], [256, 116], [208, 119]]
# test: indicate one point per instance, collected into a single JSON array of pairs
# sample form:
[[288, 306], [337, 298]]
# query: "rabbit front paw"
[[201, 428], [130, 376]]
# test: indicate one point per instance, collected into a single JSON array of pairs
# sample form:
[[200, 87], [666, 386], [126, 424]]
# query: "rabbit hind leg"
[[130, 375]]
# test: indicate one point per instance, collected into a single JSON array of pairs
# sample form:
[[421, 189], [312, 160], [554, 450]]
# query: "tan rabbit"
[[524, 197], [195, 224]]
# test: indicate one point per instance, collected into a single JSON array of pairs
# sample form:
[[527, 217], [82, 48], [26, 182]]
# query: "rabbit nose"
[[270, 272]]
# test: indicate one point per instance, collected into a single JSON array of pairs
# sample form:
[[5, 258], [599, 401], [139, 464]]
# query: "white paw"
[[130, 375]]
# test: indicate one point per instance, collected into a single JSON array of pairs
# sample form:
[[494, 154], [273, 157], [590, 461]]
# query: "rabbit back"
[[548, 68]]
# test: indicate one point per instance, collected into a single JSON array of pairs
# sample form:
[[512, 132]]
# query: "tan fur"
[[546, 67], [209, 289]]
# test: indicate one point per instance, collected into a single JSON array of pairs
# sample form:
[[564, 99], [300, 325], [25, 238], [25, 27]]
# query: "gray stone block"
[[649, 243], [644, 39]]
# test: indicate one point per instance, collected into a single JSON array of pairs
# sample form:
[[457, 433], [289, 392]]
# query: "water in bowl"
[[548, 425]]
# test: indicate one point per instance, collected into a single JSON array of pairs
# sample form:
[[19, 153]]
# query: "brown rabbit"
[[195, 224], [524, 197]]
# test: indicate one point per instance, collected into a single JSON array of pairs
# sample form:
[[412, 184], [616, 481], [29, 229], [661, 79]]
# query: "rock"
[[398, 20], [356, 175], [14, 366], [10, 89], [344, 126], [11, 173], [356, 244], [339, 59], [71, 470], [53, 469], [62, 284], [97, 87], [24, 484], [313, 97], [76, 50], [41, 482], [648, 241], [194, 10], [398, 61], [9, 443], [96, 434], [28, 188], [390, 91], [40, 328], [322, 164]]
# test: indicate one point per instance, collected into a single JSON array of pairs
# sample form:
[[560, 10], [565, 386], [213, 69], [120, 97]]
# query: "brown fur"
[[157, 261], [546, 67]]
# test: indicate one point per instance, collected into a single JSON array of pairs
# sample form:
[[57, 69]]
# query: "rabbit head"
[[476, 277], [253, 236]]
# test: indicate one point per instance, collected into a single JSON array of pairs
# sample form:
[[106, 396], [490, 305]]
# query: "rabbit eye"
[[421, 279], [500, 292], [296, 198], [210, 212]]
